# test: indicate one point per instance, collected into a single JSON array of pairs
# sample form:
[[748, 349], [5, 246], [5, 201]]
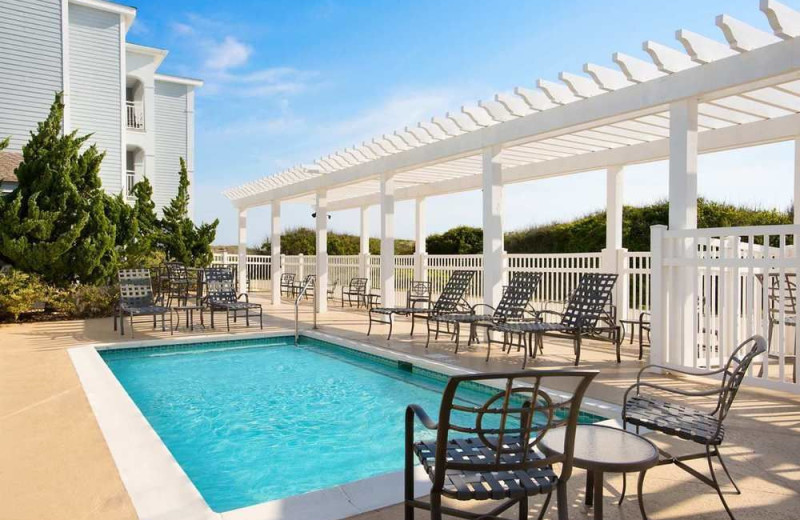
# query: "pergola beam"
[[757, 68]]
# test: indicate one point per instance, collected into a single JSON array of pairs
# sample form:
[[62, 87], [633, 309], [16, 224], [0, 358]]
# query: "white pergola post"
[[321, 290], [363, 249], [387, 239], [611, 257], [241, 266], [275, 246], [682, 216], [492, 227], [796, 201], [420, 236]]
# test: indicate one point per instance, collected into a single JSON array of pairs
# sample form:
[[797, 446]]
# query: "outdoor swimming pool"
[[255, 420]]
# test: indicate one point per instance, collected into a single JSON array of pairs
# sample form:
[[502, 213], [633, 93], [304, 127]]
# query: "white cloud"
[[182, 29], [227, 54]]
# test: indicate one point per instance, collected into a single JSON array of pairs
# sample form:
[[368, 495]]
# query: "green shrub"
[[82, 301], [20, 293]]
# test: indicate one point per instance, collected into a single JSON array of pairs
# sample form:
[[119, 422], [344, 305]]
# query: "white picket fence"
[[720, 286]]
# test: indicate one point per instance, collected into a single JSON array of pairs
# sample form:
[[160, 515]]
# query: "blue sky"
[[288, 81]]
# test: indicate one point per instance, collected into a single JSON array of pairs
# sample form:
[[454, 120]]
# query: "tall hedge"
[[303, 240]]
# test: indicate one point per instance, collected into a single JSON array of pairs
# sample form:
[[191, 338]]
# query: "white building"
[[142, 119]]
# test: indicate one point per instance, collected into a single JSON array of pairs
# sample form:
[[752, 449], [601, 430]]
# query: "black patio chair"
[[512, 307], [178, 283], [221, 296], [355, 290], [136, 299], [691, 424], [287, 283], [490, 451], [419, 293], [450, 300], [309, 285], [332, 289], [585, 316]]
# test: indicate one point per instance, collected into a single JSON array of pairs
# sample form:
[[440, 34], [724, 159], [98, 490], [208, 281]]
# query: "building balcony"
[[135, 113]]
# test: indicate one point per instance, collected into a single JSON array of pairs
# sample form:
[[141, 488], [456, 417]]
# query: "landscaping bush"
[[303, 240], [20, 293], [82, 301]]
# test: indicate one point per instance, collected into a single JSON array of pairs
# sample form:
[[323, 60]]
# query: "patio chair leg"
[[523, 508], [155, 323], [716, 484], [545, 505], [412, 325], [260, 317], [428, 323], [436, 506], [724, 467], [369, 329], [391, 325], [121, 324], [171, 328], [247, 318], [131, 326], [457, 328], [577, 349], [211, 311], [228, 319], [561, 497], [115, 320], [618, 343], [162, 322], [489, 345]]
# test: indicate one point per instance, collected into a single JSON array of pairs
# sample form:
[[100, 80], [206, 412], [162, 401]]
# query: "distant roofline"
[[178, 79]]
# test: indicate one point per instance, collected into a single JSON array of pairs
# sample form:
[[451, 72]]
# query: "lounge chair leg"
[[211, 310], [428, 341], [577, 349], [121, 324], [115, 320], [369, 329], [618, 342], [155, 323], [716, 484], [457, 328], [412, 325], [163, 329], [391, 326], [171, 328], [247, 318], [260, 317], [131, 326], [436, 506]]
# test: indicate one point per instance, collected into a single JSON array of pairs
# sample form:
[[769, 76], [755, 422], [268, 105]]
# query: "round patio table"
[[604, 449]]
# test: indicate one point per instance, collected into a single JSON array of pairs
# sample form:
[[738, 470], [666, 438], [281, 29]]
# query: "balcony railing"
[[135, 111], [130, 181]]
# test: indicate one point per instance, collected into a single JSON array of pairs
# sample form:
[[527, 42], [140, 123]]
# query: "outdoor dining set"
[[182, 290]]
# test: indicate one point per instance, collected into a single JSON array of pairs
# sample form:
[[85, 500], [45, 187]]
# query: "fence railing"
[[135, 113], [720, 286], [635, 280]]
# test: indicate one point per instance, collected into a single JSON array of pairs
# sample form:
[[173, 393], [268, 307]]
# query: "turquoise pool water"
[[256, 420]]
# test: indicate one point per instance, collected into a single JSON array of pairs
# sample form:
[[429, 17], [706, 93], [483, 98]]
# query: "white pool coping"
[[161, 490]]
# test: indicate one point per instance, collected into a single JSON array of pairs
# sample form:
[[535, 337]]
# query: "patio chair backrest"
[[287, 279], [177, 272], [516, 296], [220, 284], [358, 285], [419, 290], [135, 288], [587, 304], [453, 293], [735, 369], [785, 302], [511, 423]]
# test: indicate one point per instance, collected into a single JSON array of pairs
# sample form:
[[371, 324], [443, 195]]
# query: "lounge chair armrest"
[[690, 372], [700, 393], [474, 307], [416, 410], [246, 297]]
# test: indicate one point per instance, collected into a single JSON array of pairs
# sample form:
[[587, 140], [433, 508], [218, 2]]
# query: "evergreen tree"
[[55, 222], [180, 238], [4, 143]]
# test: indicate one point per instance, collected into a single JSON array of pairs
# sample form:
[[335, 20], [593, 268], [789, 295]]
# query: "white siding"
[[30, 65], [171, 139], [95, 86]]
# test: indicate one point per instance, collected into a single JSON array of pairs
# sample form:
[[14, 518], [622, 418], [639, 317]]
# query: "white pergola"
[[701, 95]]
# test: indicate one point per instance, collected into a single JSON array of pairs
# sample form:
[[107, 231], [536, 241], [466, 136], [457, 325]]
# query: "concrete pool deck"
[[54, 461]]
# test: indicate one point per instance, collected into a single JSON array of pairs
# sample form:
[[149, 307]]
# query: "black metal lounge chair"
[[511, 308], [701, 427], [287, 284], [450, 300], [584, 316], [136, 299], [308, 283], [221, 296], [355, 290], [490, 451], [781, 306], [332, 289]]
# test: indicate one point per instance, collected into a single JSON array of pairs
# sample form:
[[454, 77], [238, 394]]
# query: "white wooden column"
[[241, 268], [492, 227], [612, 253], [387, 239], [420, 236], [682, 216], [363, 249], [275, 246], [321, 289], [796, 201]]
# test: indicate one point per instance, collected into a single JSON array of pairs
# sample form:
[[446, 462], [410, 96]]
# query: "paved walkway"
[[54, 463]]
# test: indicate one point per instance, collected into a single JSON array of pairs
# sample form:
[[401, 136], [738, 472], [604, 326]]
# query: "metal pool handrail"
[[300, 295]]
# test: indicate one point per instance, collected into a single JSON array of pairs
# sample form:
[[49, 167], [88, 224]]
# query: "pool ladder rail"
[[300, 295]]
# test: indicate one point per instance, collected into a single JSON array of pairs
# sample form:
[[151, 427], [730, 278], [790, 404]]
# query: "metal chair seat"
[[465, 318], [674, 419], [400, 310], [487, 485], [146, 310], [234, 305]]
